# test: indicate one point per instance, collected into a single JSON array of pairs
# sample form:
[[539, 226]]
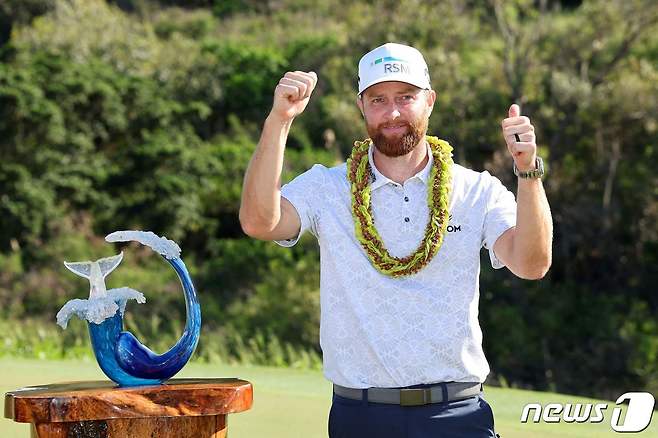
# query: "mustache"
[[394, 124]]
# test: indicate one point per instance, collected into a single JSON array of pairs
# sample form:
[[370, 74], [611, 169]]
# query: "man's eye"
[[407, 97], [377, 100]]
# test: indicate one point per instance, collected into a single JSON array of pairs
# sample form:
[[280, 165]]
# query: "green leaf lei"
[[438, 195]]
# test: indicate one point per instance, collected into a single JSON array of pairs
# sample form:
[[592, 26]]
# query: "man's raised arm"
[[526, 249], [264, 214]]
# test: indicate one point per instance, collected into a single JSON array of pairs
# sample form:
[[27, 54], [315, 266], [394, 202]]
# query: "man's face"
[[396, 115]]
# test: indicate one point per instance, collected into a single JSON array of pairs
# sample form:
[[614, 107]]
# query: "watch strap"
[[537, 172]]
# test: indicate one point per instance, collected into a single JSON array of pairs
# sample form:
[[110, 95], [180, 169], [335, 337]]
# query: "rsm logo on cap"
[[393, 64], [397, 68]]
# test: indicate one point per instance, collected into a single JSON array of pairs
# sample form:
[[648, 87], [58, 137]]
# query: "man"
[[400, 228]]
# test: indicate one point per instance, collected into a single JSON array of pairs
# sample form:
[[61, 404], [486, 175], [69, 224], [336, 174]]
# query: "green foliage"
[[113, 140], [248, 75], [20, 12], [195, 25], [296, 318]]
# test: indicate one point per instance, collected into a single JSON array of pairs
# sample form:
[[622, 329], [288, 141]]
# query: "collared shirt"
[[379, 331]]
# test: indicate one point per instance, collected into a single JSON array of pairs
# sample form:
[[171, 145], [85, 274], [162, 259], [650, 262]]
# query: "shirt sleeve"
[[500, 215], [303, 193]]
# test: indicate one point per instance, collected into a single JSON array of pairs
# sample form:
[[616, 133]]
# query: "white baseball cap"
[[393, 62]]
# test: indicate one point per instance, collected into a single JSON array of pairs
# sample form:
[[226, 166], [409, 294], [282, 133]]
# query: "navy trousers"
[[468, 418]]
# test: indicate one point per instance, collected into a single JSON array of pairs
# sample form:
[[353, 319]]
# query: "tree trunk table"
[[179, 408]]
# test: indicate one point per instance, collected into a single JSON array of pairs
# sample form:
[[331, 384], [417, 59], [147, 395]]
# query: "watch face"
[[540, 167]]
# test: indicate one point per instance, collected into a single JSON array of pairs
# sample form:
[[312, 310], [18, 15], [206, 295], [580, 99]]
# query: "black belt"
[[437, 393]]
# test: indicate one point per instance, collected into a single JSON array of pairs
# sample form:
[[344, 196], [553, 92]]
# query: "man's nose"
[[392, 112]]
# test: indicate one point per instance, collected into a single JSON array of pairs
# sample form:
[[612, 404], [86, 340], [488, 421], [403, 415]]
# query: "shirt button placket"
[[406, 207]]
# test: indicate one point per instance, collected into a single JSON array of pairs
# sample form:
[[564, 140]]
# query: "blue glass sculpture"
[[120, 355]]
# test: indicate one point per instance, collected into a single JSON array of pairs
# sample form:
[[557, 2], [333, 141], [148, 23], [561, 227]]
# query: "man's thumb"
[[514, 110]]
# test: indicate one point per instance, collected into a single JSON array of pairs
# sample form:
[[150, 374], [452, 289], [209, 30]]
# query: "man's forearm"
[[260, 207], [526, 248], [261, 193], [533, 237]]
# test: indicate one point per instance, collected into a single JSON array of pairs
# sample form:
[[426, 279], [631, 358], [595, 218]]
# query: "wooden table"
[[180, 408]]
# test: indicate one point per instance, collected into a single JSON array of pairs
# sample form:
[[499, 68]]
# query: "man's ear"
[[431, 98], [359, 103]]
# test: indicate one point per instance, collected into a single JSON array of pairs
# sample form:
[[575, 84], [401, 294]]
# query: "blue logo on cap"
[[387, 58]]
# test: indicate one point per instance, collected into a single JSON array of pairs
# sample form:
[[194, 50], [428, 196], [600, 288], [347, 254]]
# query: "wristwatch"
[[537, 172]]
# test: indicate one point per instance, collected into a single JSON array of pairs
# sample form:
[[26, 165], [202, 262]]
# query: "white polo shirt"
[[379, 331]]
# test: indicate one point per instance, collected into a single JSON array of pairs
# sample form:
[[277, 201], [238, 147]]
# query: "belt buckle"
[[414, 396]]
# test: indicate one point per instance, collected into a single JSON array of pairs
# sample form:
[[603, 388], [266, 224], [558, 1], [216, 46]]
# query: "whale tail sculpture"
[[105, 266], [95, 272], [120, 355]]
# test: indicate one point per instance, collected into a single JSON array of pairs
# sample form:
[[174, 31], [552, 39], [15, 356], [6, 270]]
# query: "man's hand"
[[292, 94], [523, 150]]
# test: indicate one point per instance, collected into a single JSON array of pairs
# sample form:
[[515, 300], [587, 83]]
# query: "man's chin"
[[396, 138], [393, 149], [397, 144], [392, 140]]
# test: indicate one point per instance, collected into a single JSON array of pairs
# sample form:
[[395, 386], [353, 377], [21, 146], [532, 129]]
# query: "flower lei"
[[438, 194]]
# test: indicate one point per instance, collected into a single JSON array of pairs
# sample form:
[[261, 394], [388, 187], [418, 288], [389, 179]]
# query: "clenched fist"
[[520, 138], [292, 94]]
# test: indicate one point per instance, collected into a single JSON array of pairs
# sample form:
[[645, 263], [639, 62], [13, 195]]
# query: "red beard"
[[398, 145]]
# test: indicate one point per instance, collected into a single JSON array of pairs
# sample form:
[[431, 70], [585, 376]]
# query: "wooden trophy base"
[[179, 408]]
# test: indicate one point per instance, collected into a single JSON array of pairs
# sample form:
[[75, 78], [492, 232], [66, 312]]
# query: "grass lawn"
[[293, 404]]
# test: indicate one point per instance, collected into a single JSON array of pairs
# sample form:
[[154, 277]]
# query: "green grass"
[[290, 403]]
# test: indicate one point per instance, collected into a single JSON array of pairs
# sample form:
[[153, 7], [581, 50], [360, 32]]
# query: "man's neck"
[[400, 169]]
